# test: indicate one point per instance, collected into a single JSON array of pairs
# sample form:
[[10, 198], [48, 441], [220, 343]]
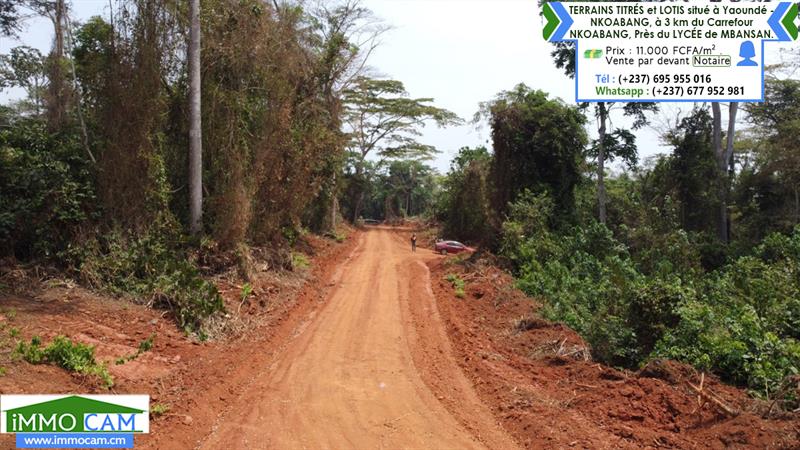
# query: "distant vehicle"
[[371, 222], [445, 247]]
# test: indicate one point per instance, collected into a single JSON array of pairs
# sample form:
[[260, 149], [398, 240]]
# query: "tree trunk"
[[727, 166], [723, 159], [195, 124], [56, 101], [334, 204], [716, 139], [357, 209], [601, 164], [358, 194], [78, 95], [796, 205]]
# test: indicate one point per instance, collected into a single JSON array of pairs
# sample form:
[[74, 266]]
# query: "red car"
[[445, 247]]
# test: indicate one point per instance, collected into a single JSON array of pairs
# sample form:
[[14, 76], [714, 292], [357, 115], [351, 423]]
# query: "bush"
[[46, 190], [745, 325], [74, 357], [300, 261], [159, 409], [457, 283], [152, 267], [740, 321], [733, 342]]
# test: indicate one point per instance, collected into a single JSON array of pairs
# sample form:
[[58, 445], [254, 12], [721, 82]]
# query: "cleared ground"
[[348, 380]]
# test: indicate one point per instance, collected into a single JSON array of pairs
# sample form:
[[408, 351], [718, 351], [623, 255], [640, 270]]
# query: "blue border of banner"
[[72, 440], [562, 13]]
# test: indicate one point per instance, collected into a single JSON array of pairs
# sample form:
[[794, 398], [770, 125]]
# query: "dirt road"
[[352, 375]]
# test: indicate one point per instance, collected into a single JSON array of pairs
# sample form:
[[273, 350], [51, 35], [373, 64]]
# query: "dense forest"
[[692, 255], [95, 156], [696, 259]]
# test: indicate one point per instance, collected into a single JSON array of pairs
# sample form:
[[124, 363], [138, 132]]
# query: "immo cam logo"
[[88, 421]]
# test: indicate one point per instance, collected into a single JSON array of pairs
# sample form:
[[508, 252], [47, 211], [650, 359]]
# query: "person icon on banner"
[[746, 52]]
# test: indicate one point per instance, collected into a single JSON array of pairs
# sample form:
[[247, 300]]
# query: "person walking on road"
[[414, 242]]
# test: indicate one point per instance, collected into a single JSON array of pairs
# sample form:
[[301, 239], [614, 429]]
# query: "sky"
[[459, 52]]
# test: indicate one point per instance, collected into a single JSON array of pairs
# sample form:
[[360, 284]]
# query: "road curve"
[[348, 378]]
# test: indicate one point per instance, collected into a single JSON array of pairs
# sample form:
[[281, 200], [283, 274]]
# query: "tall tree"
[[58, 93], [195, 126], [25, 67], [464, 205], [619, 143], [9, 17], [690, 172], [384, 121], [346, 33], [777, 125], [724, 158], [607, 146], [58, 96], [538, 146]]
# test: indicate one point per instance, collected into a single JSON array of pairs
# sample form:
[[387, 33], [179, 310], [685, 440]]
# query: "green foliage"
[[46, 190], [94, 59], [400, 189], [74, 357], [538, 145], [690, 173], [147, 344], [144, 346], [24, 67], [767, 191], [733, 341], [463, 205], [247, 289], [32, 352], [458, 284], [739, 321], [619, 143], [10, 17], [159, 409], [300, 261], [384, 122], [150, 267]]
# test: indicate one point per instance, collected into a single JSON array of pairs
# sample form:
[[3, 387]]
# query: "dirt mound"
[[195, 380], [541, 384]]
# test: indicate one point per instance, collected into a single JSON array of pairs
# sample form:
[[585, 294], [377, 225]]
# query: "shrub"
[[733, 342], [46, 190], [74, 357], [457, 283], [152, 267], [159, 409], [740, 321], [300, 261], [745, 324]]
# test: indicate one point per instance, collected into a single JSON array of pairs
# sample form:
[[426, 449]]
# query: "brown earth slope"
[[195, 380], [541, 385]]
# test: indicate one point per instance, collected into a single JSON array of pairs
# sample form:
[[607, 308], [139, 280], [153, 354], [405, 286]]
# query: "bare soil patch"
[[539, 382]]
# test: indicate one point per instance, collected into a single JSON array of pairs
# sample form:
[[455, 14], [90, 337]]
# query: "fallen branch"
[[712, 398]]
